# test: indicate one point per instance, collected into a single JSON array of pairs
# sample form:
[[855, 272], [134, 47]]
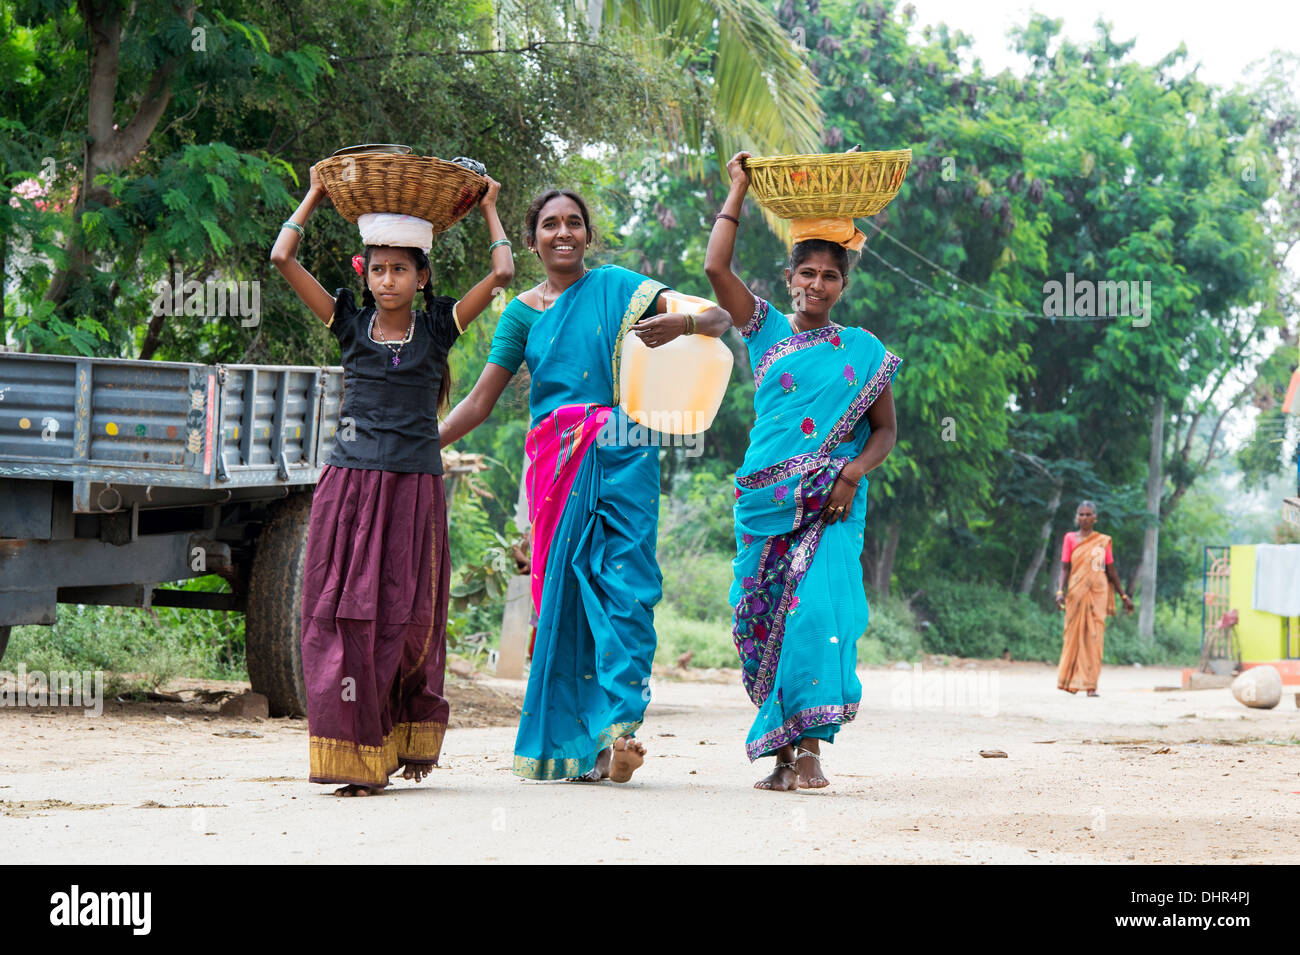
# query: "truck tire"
[[4, 640], [273, 622]]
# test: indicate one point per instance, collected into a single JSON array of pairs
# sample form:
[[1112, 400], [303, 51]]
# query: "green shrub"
[[891, 632], [696, 586], [711, 640], [977, 620], [123, 640]]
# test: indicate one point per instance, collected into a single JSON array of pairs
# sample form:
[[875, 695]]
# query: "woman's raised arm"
[[476, 406], [284, 255], [732, 294]]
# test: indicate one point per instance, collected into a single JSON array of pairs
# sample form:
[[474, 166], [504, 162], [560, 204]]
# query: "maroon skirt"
[[374, 623]]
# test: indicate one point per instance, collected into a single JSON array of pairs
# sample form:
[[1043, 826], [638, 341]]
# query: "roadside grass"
[[138, 650]]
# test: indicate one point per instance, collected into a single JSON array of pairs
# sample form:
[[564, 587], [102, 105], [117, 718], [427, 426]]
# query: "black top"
[[393, 408]]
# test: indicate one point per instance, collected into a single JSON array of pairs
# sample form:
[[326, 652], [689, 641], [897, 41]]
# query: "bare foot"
[[599, 771], [416, 771], [783, 778], [810, 766], [1093, 693], [627, 759], [352, 789]]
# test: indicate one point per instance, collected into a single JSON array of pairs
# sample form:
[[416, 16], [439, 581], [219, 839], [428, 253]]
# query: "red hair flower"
[[358, 265]]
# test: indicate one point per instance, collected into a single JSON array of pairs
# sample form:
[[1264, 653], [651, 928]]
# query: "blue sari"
[[595, 509], [797, 593]]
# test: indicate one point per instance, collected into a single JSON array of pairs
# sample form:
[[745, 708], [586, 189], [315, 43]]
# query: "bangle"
[[498, 242], [690, 324], [841, 477], [723, 215], [290, 224]]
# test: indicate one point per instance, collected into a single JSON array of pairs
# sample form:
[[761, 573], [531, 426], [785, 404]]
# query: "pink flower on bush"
[[358, 264]]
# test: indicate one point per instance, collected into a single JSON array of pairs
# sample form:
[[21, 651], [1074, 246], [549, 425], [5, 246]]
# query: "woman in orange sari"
[[1087, 562]]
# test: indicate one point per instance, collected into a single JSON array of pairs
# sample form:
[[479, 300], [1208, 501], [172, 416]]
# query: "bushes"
[[696, 586], [711, 640], [976, 620], [891, 634]]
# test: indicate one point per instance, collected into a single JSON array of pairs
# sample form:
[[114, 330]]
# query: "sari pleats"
[[589, 682]]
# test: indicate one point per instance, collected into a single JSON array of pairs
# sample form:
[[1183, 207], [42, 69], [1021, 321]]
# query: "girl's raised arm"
[[732, 294], [284, 254], [503, 264]]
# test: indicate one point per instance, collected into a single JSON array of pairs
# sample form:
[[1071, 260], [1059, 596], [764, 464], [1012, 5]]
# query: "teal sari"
[[594, 504], [798, 597]]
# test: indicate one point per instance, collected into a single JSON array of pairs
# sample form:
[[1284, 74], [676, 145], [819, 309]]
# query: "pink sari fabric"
[[555, 450]]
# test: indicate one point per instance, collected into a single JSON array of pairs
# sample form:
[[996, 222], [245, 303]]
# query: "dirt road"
[[1133, 776]]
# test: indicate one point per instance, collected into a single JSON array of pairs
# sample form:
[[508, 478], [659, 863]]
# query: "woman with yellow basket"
[[824, 418]]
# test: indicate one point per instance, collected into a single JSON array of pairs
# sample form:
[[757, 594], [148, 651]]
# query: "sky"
[[1224, 37]]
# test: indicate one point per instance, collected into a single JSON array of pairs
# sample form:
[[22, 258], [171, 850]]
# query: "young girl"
[[374, 614]]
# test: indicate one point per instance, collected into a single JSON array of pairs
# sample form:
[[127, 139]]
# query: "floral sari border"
[[865, 399], [645, 294], [794, 727], [548, 769], [777, 473], [788, 346], [756, 320]]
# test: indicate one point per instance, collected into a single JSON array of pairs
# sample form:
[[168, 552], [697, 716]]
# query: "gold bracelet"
[[690, 324]]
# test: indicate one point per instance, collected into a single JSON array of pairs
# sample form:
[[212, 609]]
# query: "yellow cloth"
[[839, 229]]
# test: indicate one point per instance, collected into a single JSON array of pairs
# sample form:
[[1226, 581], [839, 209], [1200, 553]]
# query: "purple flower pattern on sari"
[[787, 382], [849, 376]]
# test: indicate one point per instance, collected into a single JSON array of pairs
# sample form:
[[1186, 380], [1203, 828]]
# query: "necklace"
[[394, 347], [546, 284]]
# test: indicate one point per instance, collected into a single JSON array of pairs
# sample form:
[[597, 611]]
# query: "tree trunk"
[[883, 565], [108, 146], [1151, 536], [1044, 540]]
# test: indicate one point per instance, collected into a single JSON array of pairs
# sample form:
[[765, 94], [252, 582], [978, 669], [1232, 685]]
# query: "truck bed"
[[104, 423]]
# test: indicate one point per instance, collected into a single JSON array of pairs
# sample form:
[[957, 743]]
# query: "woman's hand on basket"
[[840, 502], [661, 329], [739, 174], [489, 199]]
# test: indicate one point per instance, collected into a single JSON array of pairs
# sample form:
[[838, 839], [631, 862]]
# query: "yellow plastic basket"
[[830, 184], [424, 186]]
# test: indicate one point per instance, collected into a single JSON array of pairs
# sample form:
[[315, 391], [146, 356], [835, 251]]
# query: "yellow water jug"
[[676, 388]]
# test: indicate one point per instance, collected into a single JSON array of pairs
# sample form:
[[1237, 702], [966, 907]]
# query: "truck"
[[120, 477]]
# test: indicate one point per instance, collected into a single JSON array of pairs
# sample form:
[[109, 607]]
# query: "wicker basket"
[[422, 186], [832, 184]]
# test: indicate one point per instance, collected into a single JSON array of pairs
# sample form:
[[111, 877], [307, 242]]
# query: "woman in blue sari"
[[593, 490], [823, 418]]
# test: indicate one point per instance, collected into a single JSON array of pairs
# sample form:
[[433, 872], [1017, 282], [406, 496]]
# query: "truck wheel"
[[4, 640], [273, 622]]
